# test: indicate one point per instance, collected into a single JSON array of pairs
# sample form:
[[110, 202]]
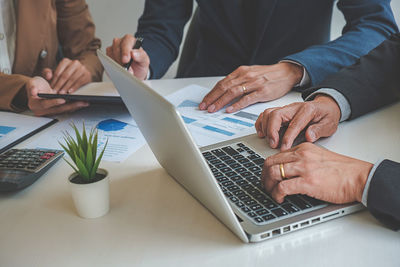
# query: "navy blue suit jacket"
[[371, 83], [299, 30]]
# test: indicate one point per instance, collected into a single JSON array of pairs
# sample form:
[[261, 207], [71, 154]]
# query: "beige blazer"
[[43, 25]]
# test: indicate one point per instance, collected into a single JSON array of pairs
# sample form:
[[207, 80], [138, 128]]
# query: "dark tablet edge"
[[88, 98], [23, 138]]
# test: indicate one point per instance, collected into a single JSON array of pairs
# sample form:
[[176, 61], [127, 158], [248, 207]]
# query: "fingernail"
[[202, 106], [211, 108], [259, 133], [229, 109], [61, 101], [125, 58], [271, 142], [312, 135], [136, 54], [86, 104]]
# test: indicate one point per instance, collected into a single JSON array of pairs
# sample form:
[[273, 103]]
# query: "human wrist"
[[364, 170], [295, 71], [329, 102]]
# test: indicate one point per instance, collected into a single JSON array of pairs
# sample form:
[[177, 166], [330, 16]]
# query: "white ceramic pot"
[[91, 200]]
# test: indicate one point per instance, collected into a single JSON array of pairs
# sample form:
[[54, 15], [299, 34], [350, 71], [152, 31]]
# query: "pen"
[[138, 44]]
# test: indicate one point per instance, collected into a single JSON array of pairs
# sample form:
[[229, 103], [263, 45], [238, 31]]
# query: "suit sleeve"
[[384, 194], [368, 23], [372, 82], [162, 25], [12, 92], [76, 31]]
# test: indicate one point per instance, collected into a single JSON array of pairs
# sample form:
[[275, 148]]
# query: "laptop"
[[224, 177]]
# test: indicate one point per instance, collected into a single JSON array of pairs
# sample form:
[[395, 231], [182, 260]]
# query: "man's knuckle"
[[282, 188]]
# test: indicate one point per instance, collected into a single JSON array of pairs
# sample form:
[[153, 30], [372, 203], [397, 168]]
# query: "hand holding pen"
[[128, 52]]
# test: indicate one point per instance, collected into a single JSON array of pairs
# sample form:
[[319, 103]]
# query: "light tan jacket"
[[43, 26]]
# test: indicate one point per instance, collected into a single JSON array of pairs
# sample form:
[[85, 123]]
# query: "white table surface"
[[153, 221]]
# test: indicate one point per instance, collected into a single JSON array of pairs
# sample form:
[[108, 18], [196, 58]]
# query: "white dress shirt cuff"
[[364, 198], [305, 80], [342, 102], [148, 75]]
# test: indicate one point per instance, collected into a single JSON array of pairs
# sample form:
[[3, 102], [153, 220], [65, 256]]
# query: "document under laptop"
[[224, 177]]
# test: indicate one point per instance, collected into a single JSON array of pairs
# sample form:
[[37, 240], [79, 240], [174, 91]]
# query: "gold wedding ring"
[[282, 171], [244, 89]]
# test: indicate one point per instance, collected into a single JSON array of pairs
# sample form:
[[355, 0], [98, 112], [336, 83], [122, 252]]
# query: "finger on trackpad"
[[301, 137]]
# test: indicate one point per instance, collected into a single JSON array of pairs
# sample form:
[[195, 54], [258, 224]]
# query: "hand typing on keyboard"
[[237, 169], [316, 172]]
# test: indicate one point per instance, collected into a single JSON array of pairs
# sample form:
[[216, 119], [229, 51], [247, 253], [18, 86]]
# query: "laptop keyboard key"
[[218, 152], [299, 202], [234, 199], [240, 204], [230, 151], [241, 183], [252, 214], [218, 174], [227, 183], [279, 212], [268, 217], [239, 170], [226, 169], [234, 165], [290, 208], [233, 188], [215, 161], [230, 174], [225, 158], [220, 165], [245, 209], [314, 202], [256, 207], [222, 179], [249, 164], [262, 212]]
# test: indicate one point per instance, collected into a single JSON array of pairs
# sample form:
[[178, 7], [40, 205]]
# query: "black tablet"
[[93, 99]]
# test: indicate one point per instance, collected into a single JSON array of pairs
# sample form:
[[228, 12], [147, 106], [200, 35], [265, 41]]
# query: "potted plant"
[[89, 184]]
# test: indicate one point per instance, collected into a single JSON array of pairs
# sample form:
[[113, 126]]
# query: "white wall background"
[[118, 17]]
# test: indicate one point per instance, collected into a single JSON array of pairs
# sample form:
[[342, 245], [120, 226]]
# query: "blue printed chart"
[[209, 128], [4, 130], [112, 124]]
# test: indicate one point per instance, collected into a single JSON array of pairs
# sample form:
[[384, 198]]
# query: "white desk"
[[154, 222]]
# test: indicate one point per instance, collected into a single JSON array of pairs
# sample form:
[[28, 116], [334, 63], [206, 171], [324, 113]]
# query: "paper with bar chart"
[[209, 128]]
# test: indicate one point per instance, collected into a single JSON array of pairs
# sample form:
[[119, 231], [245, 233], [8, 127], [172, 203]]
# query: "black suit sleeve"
[[384, 194], [373, 82], [161, 26]]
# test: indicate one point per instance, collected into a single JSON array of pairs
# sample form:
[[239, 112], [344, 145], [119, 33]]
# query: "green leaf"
[[70, 164], [84, 138], [97, 163], [82, 156], [89, 160], [82, 169], [78, 136], [66, 150], [94, 147]]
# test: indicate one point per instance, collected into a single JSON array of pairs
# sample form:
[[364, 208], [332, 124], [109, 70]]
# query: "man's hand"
[[316, 172], [121, 51], [321, 116], [68, 76], [252, 84], [40, 106]]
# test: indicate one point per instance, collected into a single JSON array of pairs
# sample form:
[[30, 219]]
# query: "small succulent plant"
[[83, 152]]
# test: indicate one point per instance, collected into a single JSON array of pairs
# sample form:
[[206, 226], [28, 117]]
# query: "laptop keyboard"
[[237, 169]]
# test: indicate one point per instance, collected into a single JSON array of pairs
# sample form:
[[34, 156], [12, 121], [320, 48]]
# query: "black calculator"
[[20, 168]]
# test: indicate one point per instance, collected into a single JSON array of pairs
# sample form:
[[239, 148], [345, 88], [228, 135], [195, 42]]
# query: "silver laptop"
[[224, 177]]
